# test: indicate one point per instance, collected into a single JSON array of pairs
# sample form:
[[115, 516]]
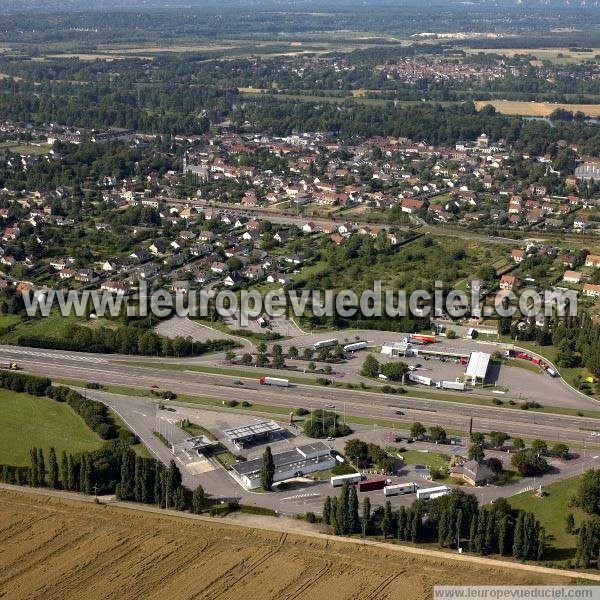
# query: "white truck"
[[355, 347], [338, 480], [274, 381], [325, 344], [452, 385], [399, 489], [432, 492], [412, 376]]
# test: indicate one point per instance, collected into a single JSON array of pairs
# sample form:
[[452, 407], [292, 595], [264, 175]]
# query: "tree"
[[494, 464], [497, 438], [476, 452], [477, 438], [353, 519], [33, 468], [64, 470], [308, 353], [386, 522], [370, 367], [518, 444], [394, 371], [267, 471], [229, 356], [417, 430], [366, 516], [198, 500], [278, 362], [528, 463], [341, 515], [53, 481], [437, 433], [356, 450], [570, 523], [86, 476], [293, 352], [587, 496], [126, 483], [71, 474], [539, 446], [172, 484], [41, 465], [327, 511], [588, 542], [560, 450]]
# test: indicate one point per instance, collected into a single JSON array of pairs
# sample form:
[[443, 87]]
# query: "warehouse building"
[[293, 463], [477, 367]]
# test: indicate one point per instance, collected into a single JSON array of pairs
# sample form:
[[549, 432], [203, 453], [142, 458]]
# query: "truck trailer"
[[432, 492], [371, 484], [351, 478], [274, 381], [452, 385], [400, 489], [420, 379], [423, 339], [325, 344], [355, 347]]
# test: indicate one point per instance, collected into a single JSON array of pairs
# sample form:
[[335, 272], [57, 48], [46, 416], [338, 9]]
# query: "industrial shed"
[[477, 367], [293, 463]]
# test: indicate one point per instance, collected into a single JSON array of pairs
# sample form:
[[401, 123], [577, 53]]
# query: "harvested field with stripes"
[[52, 547]]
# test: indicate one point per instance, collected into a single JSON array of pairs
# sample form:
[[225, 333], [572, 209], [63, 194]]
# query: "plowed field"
[[57, 548]]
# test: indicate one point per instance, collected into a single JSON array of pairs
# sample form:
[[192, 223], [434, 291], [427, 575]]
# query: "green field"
[[29, 421], [434, 460], [551, 511]]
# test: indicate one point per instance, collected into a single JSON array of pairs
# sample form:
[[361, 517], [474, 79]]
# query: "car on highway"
[[154, 386], [238, 382]]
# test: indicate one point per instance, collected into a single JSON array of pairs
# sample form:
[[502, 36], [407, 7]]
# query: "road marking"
[[301, 496]]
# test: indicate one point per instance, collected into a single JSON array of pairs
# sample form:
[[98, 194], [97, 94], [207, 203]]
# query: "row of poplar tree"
[[131, 477], [454, 520]]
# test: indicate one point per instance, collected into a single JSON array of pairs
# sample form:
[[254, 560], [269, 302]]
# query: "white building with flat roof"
[[294, 463], [477, 366]]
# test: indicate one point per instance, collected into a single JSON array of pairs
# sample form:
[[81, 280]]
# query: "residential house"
[[518, 255], [591, 289], [508, 282], [592, 260], [572, 277], [473, 472]]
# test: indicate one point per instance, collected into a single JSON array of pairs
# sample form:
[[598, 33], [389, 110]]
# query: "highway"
[[108, 370]]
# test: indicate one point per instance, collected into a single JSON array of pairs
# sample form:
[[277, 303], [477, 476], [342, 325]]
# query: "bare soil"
[[52, 547]]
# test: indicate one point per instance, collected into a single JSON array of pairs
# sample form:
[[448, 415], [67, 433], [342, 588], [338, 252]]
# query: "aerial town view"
[[299, 299]]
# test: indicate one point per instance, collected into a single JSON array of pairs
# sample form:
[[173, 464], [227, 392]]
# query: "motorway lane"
[[365, 404]]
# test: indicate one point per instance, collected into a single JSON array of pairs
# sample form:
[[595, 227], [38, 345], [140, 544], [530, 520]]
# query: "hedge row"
[[95, 414], [20, 382]]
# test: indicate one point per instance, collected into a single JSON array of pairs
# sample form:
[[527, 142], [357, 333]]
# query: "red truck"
[[371, 484], [425, 339]]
